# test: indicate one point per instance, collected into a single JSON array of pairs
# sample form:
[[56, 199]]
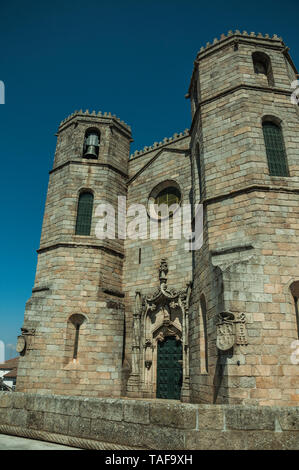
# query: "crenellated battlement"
[[234, 39], [157, 145], [93, 114], [237, 34]]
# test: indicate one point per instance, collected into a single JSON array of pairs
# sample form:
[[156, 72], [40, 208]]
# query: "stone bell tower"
[[245, 157], [72, 337]]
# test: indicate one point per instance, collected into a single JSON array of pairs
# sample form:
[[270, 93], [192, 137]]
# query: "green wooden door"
[[169, 369]]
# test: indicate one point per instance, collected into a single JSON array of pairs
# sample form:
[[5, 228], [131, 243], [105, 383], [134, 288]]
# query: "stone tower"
[[244, 147], [74, 320]]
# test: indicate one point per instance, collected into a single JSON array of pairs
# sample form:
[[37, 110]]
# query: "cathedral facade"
[[146, 316]]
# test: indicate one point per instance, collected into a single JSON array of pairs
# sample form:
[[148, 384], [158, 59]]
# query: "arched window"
[[91, 143], [203, 336], [165, 194], [295, 293], [195, 95], [275, 149], [84, 213], [199, 170], [262, 67], [73, 331]]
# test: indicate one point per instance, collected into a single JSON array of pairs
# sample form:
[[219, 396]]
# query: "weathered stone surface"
[[42, 403], [249, 418], [67, 406], [31, 399], [79, 426], [35, 420], [117, 432], [241, 440], [54, 422], [210, 417], [18, 418], [163, 438], [258, 440], [19, 400], [5, 416], [108, 409], [137, 412], [6, 399], [173, 415], [215, 440], [288, 418]]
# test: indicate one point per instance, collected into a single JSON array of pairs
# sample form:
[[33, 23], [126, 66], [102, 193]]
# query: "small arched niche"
[[263, 68]]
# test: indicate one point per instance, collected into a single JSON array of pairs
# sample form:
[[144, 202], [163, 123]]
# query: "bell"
[[91, 151], [92, 145]]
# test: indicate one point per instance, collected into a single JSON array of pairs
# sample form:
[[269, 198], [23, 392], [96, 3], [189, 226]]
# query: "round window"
[[162, 197], [169, 196]]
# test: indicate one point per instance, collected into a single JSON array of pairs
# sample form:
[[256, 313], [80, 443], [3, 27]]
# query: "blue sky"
[[133, 58]]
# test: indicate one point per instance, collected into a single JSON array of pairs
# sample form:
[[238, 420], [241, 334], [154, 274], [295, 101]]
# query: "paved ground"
[[21, 443]]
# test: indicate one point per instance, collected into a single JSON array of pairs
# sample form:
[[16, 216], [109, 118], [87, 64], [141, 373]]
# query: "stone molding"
[[54, 246], [250, 189], [84, 161], [242, 86]]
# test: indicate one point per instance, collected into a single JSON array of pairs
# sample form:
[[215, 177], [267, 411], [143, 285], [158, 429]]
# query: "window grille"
[[84, 214], [275, 150]]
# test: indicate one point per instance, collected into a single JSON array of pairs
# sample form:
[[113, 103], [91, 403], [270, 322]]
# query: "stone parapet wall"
[[146, 424]]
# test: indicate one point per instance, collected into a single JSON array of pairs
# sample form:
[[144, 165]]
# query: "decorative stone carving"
[[24, 341], [21, 344], [148, 346], [160, 337], [231, 330], [168, 330], [158, 315], [163, 270], [241, 332]]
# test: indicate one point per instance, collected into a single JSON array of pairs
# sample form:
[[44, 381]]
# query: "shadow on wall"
[[220, 383]]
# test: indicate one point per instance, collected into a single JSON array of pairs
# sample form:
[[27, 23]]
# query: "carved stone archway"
[[162, 314]]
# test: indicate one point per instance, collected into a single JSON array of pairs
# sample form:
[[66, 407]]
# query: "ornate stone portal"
[[162, 314]]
